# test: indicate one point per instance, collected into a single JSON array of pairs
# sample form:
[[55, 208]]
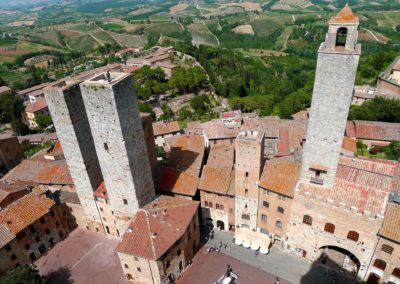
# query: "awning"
[[263, 242]]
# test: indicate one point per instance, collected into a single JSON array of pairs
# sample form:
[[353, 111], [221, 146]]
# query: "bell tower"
[[333, 90]]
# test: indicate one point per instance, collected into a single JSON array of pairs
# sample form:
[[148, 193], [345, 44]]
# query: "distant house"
[[33, 109], [31, 94], [128, 51], [164, 130], [362, 94], [388, 83]]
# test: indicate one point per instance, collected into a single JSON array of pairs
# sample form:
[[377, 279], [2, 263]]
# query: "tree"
[[11, 108], [393, 151], [43, 120], [25, 274]]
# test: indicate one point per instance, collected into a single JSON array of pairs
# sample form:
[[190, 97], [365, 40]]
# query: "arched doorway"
[[373, 279], [42, 248], [51, 241], [338, 258], [221, 225], [180, 266]]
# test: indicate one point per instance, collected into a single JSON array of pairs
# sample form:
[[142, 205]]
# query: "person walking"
[[276, 280]]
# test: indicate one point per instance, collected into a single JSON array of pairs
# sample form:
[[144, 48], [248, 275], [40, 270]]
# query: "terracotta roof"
[[9, 188], [101, 191], [216, 180], [31, 89], [126, 50], [36, 106], [216, 129], [301, 115], [221, 156], [373, 130], [38, 137], [40, 171], [345, 15], [231, 189], [283, 141], [170, 180], [5, 235], [280, 177], [194, 128], [391, 223], [162, 128], [25, 211], [157, 227], [360, 182], [349, 144], [4, 89]]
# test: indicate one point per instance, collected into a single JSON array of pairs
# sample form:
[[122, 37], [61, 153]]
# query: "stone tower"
[[114, 119], [248, 167], [333, 89], [66, 107]]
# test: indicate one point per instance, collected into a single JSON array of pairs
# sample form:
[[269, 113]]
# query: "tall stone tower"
[[333, 89], [114, 119], [249, 160], [66, 107]]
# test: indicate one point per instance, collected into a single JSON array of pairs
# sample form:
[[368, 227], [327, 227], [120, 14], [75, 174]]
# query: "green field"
[[8, 42], [283, 38], [22, 47], [202, 36], [264, 27], [161, 17], [163, 28], [46, 38], [129, 40], [104, 37], [83, 43], [84, 27], [112, 26]]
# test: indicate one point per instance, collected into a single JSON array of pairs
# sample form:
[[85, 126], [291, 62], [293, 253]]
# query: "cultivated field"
[[177, 8], [202, 35], [244, 29]]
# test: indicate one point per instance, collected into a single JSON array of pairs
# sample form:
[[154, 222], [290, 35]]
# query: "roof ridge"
[[150, 236]]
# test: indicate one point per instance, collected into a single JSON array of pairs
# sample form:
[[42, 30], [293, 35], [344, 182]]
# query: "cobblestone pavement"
[[208, 267], [83, 257], [278, 263]]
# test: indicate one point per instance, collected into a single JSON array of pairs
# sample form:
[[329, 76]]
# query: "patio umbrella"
[[238, 242], [246, 244], [264, 250], [254, 246]]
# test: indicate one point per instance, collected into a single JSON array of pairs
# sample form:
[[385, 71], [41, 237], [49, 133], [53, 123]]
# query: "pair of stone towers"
[[98, 124]]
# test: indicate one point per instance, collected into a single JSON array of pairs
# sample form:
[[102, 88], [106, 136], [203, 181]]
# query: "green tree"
[[43, 120], [393, 151], [25, 274], [11, 108]]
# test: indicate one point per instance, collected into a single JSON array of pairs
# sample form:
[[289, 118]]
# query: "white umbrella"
[[246, 245], [264, 250], [238, 242], [227, 280], [254, 247]]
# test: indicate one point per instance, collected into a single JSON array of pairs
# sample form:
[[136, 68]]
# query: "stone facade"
[[249, 161], [332, 95], [217, 208], [114, 120], [69, 117]]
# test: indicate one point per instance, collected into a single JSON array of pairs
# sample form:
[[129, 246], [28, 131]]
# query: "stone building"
[[385, 263], [160, 241], [163, 130], [277, 184], [11, 192], [67, 109], [28, 228], [333, 90], [33, 109], [388, 83], [120, 142], [10, 154], [217, 188], [249, 161]]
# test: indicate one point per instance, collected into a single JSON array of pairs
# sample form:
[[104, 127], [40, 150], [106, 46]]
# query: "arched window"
[[264, 218], [210, 204], [265, 204], [206, 203], [217, 206], [396, 272], [379, 263], [278, 224], [330, 228], [129, 276], [307, 220], [179, 252], [386, 248], [221, 207], [341, 36], [353, 235], [245, 217]]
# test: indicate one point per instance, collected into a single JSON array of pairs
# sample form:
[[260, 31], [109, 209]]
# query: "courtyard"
[[83, 257]]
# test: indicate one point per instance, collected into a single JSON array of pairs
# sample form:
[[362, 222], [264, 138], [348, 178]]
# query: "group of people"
[[219, 248]]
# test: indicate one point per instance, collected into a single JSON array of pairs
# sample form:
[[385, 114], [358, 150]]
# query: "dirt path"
[[96, 39], [390, 20], [374, 36], [294, 18]]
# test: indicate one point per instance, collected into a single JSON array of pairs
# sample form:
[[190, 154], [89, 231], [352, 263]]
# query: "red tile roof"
[[101, 191], [221, 156], [345, 15], [162, 128], [25, 211], [360, 182], [216, 129], [216, 180], [5, 235], [40, 104], [373, 130], [349, 144], [170, 180], [391, 223], [157, 227], [280, 176]]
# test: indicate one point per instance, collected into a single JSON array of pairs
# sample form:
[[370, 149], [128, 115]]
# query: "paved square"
[[84, 257]]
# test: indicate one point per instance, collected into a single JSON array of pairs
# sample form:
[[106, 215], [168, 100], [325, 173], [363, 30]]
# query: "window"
[[206, 203], [264, 231], [125, 201], [7, 247], [245, 217], [330, 228], [247, 174], [58, 225], [230, 210], [210, 204], [101, 209], [264, 218], [386, 248], [307, 220], [265, 192], [51, 213], [42, 220], [278, 224], [265, 204], [245, 226], [104, 219], [106, 146], [179, 252], [246, 192], [32, 229], [13, 257], [352, 235], [379, 263], [281, 197], [47, 231], [27, 246], [280, 210], [167, 264], [138, 269], [126, 265], [217, 206], [129, 276], [136, 258], [37, 239], [341, 37], [221, 207], [396, 272]]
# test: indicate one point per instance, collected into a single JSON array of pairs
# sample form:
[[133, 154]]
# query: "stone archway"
[[373, 279], [338, 258], [221, 225]]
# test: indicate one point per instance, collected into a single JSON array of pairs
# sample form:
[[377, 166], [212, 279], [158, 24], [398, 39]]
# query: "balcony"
[[316, 180]]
